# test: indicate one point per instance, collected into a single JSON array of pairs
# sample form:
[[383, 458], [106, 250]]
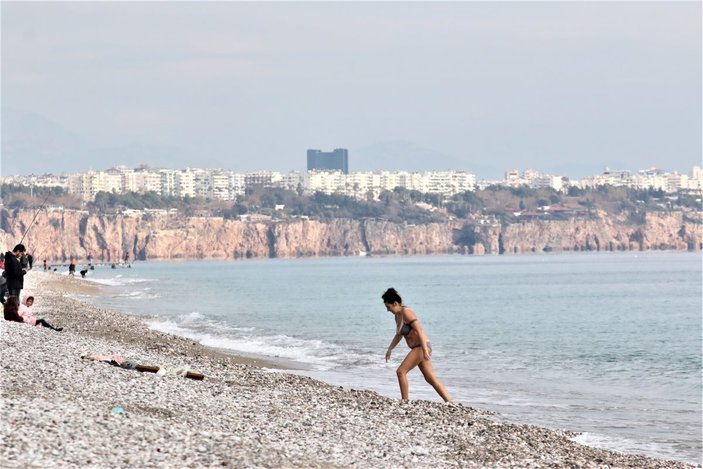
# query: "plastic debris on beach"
[[176, 372]]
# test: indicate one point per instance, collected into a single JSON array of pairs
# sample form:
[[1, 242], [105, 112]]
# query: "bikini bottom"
[[420, 345]]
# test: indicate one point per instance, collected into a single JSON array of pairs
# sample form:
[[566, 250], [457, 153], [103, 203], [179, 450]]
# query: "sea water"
[[604, 344]]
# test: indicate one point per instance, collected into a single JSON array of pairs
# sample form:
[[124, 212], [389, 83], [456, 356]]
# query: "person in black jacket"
[[14, 273]]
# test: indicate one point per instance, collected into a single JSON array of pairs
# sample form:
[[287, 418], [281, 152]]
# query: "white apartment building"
[[168, 182], [534, 179], [202, 183], [293, 181], [152, 181], [327, 182], [48, 180], [645, 179], [263, 179], [546, 180], [447, 182], [220, 186], [675, 182], [362, 185], [696, 180], [591, 182], [111, 182], [513, 179], [87, 185], [237, 184], [185, 184], [132, 181], [648, 181]]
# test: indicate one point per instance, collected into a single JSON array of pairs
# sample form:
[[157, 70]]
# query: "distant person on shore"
[[83, 272], [14, 272], [46, 266], [72, 267], [25, 312], [30, 261], [420, 353]]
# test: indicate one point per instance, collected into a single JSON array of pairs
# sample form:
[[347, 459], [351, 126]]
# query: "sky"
[[565, 88]]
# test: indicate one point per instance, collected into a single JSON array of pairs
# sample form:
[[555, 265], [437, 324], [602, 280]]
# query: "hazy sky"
[[561, 87]]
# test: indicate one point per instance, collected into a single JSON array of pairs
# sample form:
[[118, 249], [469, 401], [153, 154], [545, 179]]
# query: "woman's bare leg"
[[428, 372], [413, 359]]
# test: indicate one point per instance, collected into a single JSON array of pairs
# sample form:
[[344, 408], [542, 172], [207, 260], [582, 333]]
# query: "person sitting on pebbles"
[[25, 312], [10, 309]]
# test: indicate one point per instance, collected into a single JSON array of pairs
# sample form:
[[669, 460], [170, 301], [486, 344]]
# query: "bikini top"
[[405, 330]]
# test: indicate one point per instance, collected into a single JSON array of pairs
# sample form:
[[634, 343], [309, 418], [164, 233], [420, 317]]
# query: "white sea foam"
[[626, 445], [245, 340], [119, 281]]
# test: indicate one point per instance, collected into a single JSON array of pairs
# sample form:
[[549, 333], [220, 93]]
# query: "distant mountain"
[[135, 154], [35, 144], [32, 143], [399, 155]]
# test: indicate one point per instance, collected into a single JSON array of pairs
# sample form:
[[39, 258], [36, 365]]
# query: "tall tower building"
[[337, 160]]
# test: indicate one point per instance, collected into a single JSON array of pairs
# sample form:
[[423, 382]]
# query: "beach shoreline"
[[59, 410]]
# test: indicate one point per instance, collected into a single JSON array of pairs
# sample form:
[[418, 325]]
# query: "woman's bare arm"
[[394, 342]]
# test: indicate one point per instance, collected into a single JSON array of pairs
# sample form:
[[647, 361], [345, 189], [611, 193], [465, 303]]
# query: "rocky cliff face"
[[664, 231], [60, 234]]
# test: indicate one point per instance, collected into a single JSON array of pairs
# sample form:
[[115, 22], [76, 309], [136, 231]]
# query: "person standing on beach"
[[14, 273], [72, 267], [420, 353]]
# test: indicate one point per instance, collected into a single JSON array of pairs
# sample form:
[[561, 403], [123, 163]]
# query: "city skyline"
[[529, 169], [568, 88], [228, 185]]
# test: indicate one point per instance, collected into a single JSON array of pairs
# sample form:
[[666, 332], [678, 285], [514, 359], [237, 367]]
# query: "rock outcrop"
[[59, 234]]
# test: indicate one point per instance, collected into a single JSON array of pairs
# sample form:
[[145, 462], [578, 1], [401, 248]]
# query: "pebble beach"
[[60, 410]]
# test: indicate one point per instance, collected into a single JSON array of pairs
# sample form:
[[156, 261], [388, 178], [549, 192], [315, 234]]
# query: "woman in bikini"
[[420, 353]]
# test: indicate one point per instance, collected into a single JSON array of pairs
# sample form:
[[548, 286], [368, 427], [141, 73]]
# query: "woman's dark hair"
[[391, 296], [12, 301]]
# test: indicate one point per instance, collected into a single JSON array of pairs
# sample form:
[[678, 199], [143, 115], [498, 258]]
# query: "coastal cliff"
[[657, 231], [60, 234]]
